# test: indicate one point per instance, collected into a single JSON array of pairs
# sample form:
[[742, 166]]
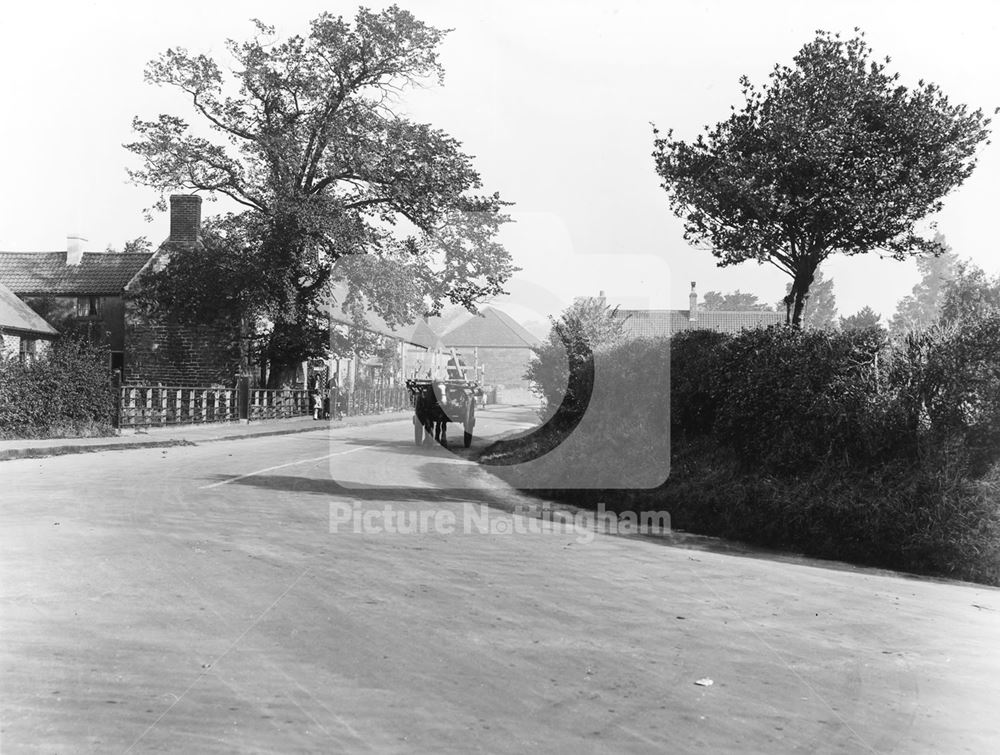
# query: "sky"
[[554, 99]]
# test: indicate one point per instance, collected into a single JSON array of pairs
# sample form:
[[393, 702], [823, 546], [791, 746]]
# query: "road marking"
[[281, 466]]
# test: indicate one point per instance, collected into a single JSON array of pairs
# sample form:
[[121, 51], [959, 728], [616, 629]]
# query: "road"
[[196, 599]]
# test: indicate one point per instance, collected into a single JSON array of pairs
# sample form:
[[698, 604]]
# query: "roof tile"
[[46, 273]]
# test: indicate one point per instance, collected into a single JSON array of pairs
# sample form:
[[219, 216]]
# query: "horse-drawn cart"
[[438, 402]]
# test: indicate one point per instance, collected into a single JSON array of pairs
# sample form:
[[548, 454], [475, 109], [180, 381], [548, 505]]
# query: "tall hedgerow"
[[66, 391]]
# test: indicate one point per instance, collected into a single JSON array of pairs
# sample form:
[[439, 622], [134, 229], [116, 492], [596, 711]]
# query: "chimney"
[[693, 304], [74, 248], [185, 218]]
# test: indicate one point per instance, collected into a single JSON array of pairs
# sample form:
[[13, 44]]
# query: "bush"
[[838, 445], [67, 391], [930, 518], [694, 363]]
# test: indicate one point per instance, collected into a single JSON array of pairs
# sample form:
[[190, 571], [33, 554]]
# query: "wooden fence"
[[143, 406]]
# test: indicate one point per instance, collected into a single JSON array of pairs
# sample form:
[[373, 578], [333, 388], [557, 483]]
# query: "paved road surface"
[[195, 600]]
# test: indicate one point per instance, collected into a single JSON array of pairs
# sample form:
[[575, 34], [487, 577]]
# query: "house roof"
[[491, 328], [417, 333], [46, 273], [18, 318], [653, 323]]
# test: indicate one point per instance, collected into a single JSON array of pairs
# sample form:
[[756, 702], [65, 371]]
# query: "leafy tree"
[[301, 133], [863, 319], [832, 155], [970, 293], [736, 301], [560, 366], [138, 245], [819, 310], [922, 308]]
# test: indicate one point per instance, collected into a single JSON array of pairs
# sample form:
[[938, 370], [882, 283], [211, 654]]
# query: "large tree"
[[922, 308], [833, 154], [303, 134]]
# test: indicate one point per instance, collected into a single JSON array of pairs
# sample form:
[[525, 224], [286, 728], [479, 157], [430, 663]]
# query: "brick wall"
[[157, 351]]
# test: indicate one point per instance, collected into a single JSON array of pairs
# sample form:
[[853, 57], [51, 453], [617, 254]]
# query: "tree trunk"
[[282, 374], [796, 299]]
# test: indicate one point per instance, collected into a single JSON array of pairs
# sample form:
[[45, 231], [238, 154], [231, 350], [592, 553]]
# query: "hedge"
[[65, 392]]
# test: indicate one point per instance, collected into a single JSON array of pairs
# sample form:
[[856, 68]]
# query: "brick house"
[[654, 323], [21, 328], [94, 293], [76, 291], [161, 351]]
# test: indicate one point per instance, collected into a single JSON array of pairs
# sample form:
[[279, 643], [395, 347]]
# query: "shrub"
[[790, 399], [694, 363], [66, 391]]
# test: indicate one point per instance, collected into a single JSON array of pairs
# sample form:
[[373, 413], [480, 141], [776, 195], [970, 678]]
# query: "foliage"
[[560, 367], [830, 414], [864, 318], [138, 245], [302, 134], [921, 308], [694, 361], [968, 293], [66, 391], [886, 452], [929, 518], [833, 154], [735, 301]]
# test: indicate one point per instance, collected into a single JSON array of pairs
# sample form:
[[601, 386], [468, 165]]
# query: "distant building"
[[76, 291], [94, 293], [21, 328], [492, 339], [656, 323]]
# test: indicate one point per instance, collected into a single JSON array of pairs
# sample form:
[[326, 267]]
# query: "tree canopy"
[[304, 134], [560, 364], [833, 154], [863, 319], [922, 307], [971, 292], [735, 301]]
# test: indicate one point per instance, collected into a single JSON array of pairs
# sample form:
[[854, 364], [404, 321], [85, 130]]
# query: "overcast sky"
[[555, 100]]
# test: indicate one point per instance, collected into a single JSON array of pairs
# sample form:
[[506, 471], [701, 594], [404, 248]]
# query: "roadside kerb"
[[192, 436]]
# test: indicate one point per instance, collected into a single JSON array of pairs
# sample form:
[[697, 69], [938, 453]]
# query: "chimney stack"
[[74, 248], [693, 304], [185, 218]]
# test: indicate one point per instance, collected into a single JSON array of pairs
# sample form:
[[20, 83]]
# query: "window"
[[88, 306], [28, 350]]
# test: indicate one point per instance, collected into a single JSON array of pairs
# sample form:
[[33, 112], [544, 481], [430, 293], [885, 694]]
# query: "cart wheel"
[[418, 431]]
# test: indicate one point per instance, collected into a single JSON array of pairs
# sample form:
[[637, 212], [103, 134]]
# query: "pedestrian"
[[315, 401]]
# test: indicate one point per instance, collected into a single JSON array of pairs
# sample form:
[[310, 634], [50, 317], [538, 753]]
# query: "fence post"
[[116, 384], [243, 399]]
